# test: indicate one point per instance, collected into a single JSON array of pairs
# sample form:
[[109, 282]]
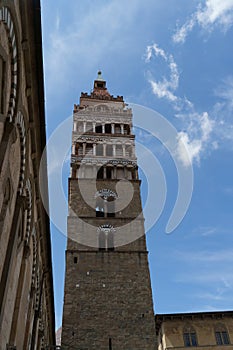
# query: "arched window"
[[106, 237], [100, 173], [105, 203], [221, 335], [190, 337]]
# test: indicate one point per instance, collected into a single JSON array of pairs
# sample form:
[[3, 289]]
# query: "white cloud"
[[164, 88], [213, 13], [181, 33], [157, 50], [195, 139], [197, 128], [216, 12], [222, 112]]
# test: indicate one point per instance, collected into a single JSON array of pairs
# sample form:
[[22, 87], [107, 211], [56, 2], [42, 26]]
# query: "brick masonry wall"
[[108, 295]]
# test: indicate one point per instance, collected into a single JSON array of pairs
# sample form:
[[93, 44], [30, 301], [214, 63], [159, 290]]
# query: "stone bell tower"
[[107, 299]]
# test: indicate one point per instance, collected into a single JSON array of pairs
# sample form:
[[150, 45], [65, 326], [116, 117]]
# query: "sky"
[[175, 58]]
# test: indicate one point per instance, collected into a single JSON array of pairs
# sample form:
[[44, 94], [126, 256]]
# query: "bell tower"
[[107, 299]]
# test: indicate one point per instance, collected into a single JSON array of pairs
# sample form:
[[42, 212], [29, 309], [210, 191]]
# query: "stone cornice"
[[126, 139], [104, 161], [190, 316], [106, 118]]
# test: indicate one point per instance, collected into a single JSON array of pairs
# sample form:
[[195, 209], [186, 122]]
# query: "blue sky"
[[174, 57]]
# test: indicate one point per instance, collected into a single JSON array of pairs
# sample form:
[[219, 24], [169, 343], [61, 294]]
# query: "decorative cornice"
[[103, 161], [115, 140], [106, 228], [217, 315], [106, 118]]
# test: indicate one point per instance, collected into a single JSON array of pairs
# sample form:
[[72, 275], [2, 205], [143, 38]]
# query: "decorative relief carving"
[[105, 193], [102, 109], [19, 122], [106, 228], [35, 258], [122, 162], [6, 18], [91, 139], [29, 210], [107, 119], [119, 140], [104, 161]]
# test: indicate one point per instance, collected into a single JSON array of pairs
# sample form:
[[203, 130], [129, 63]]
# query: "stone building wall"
[[203, 330], [26, 287], [107, 299], [103, 301]]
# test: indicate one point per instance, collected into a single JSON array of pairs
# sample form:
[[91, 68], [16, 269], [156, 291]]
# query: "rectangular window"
[[222, 338], [225, 338], [190, 339], [218, 338], [98, 129], [99, 150], [187, 339], [117, 129], [109, 151], [193, 339], [108, 128], [108, 173]]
